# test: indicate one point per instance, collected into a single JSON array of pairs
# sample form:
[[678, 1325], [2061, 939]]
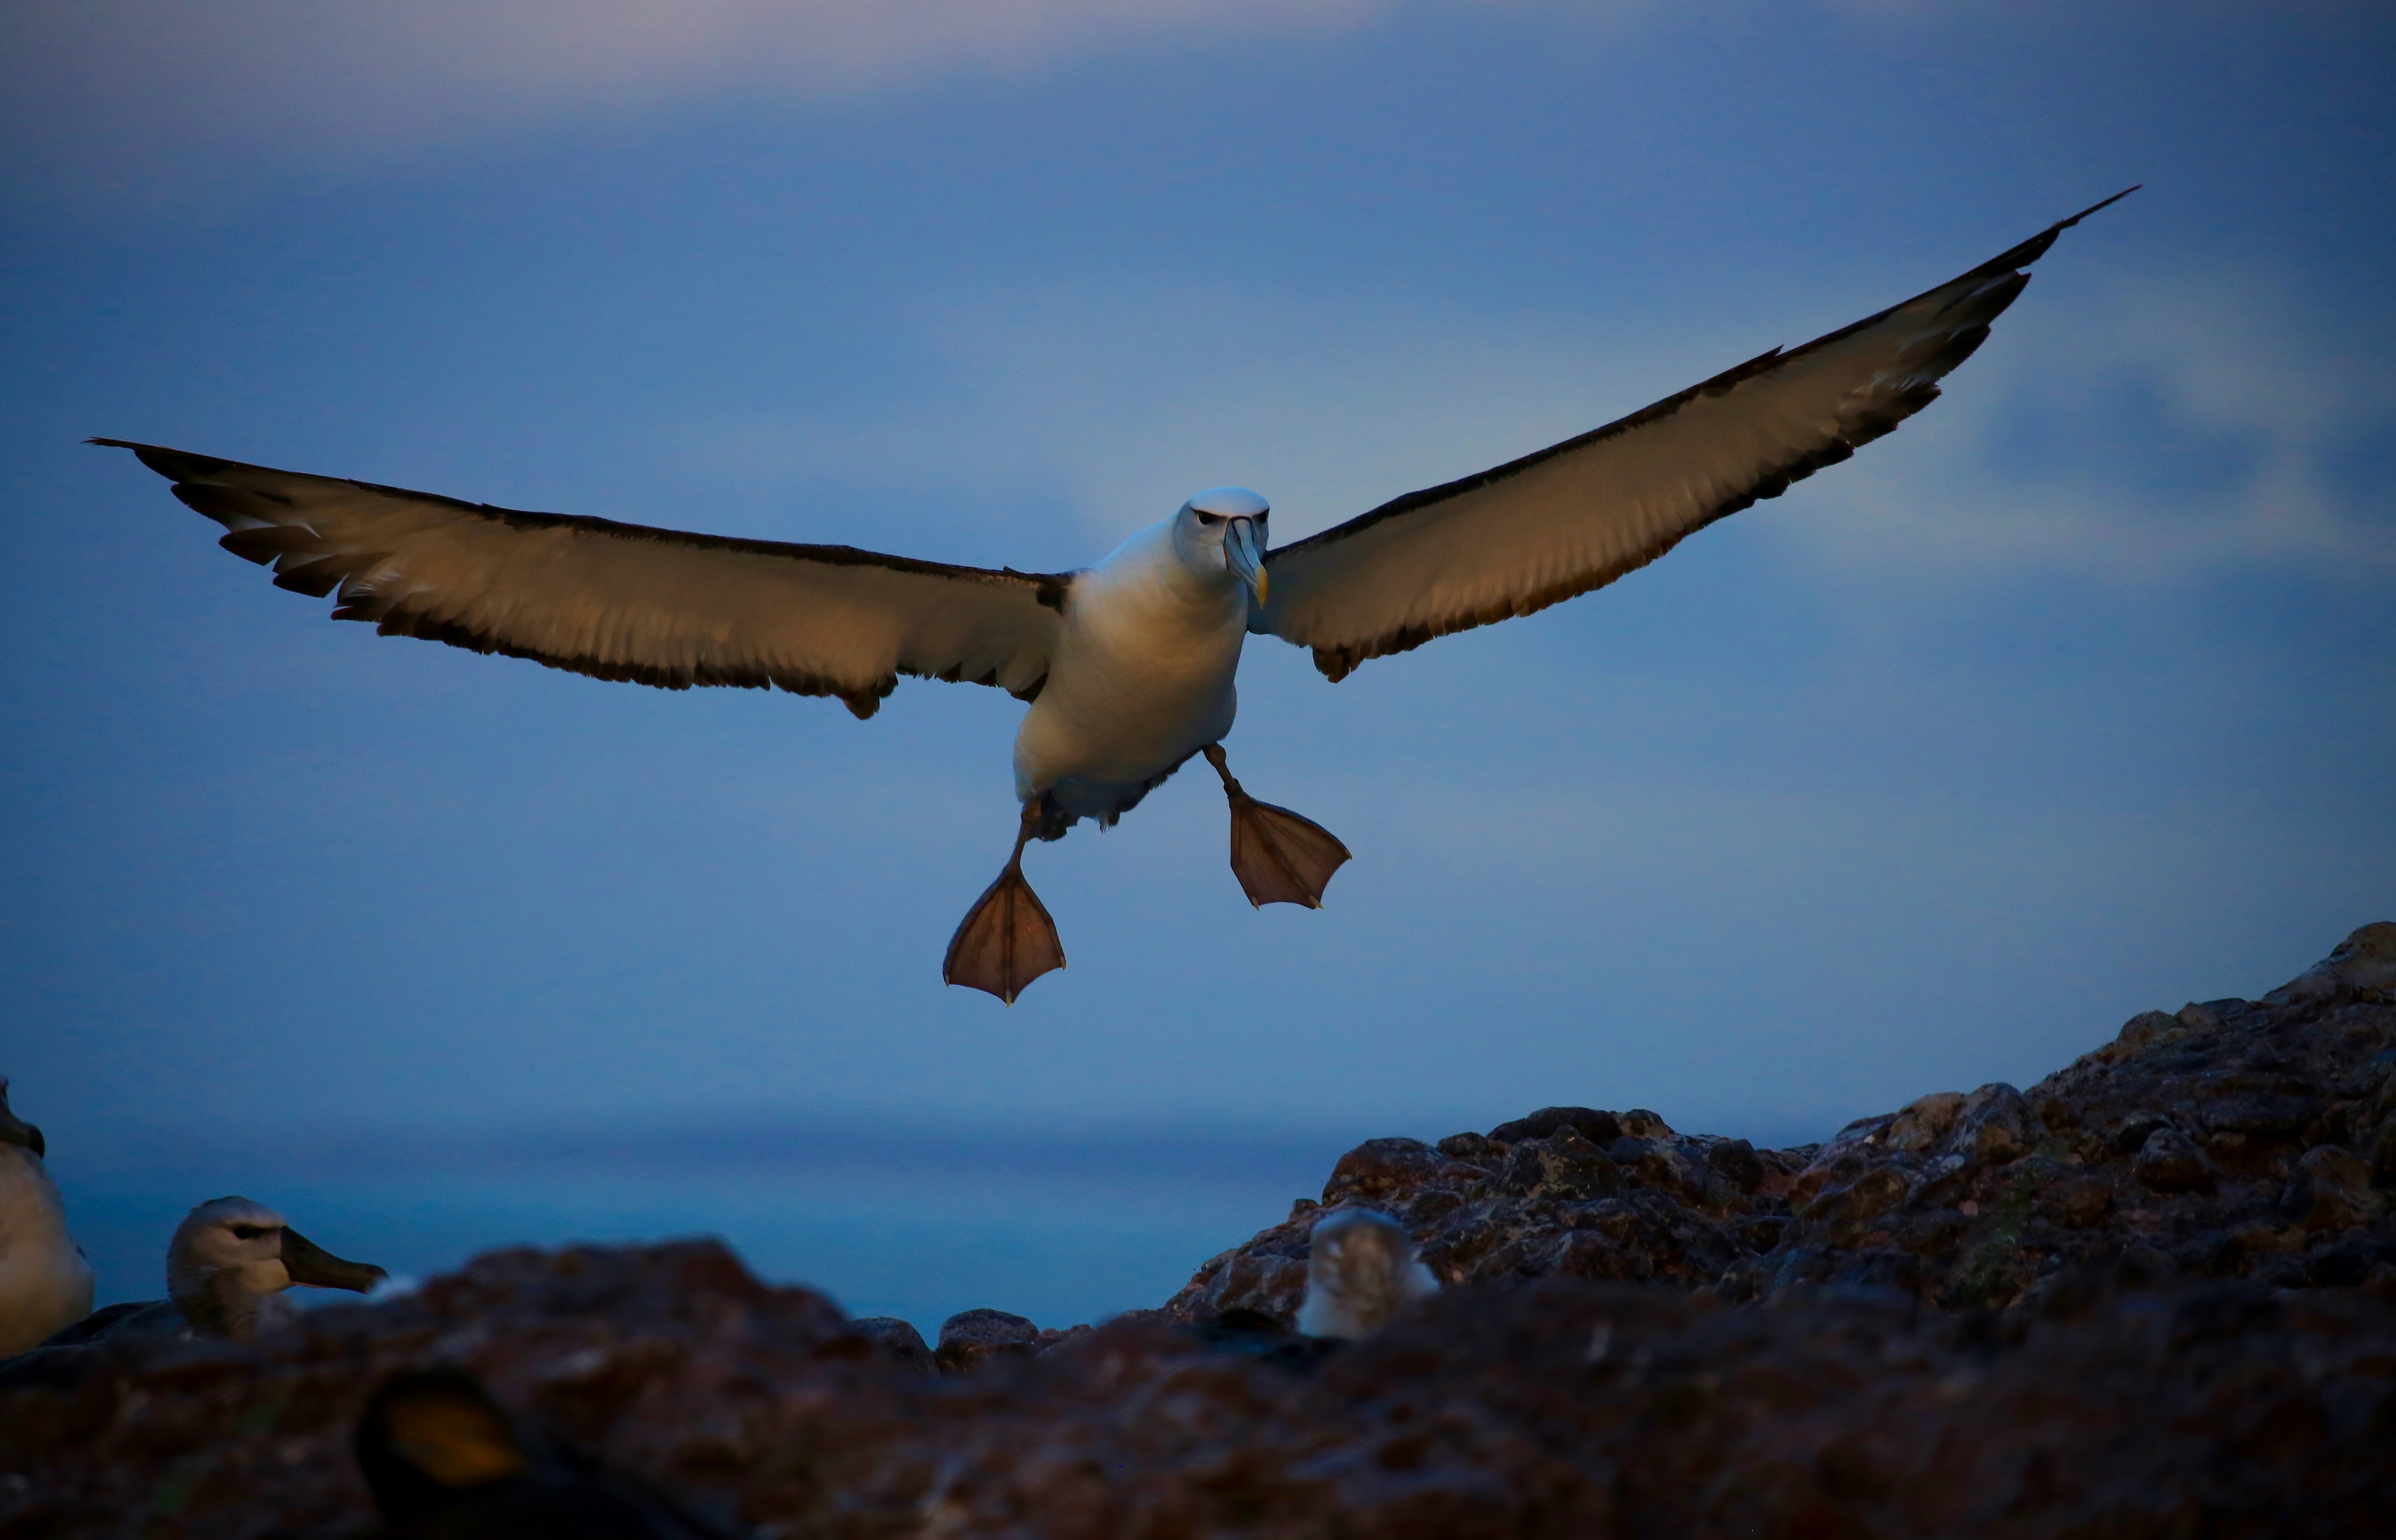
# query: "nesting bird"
[[1361, 1270], [443, 1460], [44, 1282], [1128, 666], [228, 1266]]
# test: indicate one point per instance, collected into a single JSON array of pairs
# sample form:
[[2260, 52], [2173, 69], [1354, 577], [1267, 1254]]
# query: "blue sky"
[[2070, 700]]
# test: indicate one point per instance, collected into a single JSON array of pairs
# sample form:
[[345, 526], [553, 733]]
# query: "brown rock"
[[1852, 1212], [2331, 1191], [2077, 1202], [2382, 1154], [1563, 1165], [2145, 1027], [896, 1340], [2363, 965], [2169, 1162], [1994, 1125], [971, 1338], [1473, 1150], [1377, 1168], [1598, 1128], [1924, 1120]]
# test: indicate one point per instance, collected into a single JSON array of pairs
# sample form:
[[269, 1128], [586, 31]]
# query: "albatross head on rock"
[[1361, 1269], [232, 1259], [1222, 529]]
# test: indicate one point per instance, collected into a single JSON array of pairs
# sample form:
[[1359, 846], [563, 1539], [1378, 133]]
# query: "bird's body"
[[228, 1268], [44, 1282], [1129, 665], [1142, 678]]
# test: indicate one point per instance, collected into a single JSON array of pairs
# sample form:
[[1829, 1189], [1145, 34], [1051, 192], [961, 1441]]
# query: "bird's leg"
[[1278, 857], [1006, 941]]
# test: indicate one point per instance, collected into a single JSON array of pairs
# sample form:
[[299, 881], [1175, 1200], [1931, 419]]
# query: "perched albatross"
[[227, 1268], [1128, 664], [45, 1281]]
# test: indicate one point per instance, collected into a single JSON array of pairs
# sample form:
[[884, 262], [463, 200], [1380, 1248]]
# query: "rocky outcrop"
[[2230, 1139], [2153, 1294]]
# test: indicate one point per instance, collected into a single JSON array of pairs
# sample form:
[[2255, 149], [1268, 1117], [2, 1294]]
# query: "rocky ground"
[[2154, 1293]]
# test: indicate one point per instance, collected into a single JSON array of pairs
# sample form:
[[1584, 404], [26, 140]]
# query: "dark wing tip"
[[173, 464], [2092, 208], [2036, 246]]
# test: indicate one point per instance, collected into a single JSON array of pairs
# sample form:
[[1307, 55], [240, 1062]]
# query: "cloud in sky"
[[2226, 403], [301, 79]]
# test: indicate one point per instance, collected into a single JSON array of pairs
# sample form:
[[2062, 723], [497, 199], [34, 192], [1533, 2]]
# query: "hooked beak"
[[309, 1262], [1243, 553], [15, 1130]]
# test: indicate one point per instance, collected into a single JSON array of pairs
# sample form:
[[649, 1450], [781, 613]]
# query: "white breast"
[[44, 1282], [1142, 678]]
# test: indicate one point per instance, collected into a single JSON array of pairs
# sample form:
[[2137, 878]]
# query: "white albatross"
[[1128, 666], [228, 1266], [45, 1281], [1361, 1270]]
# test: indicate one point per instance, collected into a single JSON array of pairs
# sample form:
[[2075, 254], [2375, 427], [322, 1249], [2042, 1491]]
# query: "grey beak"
[[309, 1262], [1243, 553], [17, 1130]]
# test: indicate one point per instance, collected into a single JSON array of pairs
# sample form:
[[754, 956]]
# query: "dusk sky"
[[2075, 698]]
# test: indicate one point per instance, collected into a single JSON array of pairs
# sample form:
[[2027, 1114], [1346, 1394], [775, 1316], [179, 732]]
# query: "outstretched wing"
[[619, 601], [1579, 515]]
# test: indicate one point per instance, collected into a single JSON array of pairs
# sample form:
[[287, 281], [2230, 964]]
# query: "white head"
[[1222, 530], [232, 1259], [1360, 1270]]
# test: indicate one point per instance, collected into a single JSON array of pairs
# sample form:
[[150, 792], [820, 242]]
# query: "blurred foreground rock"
[[2153, 1294]]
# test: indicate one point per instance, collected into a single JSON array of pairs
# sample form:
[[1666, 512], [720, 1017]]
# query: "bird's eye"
[[1210, 520], [248, 1232]]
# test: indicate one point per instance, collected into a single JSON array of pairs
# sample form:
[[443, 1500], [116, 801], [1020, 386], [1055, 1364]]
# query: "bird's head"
[[15, 1130], [1222, 529], [231, 1250], [1361, 1269]]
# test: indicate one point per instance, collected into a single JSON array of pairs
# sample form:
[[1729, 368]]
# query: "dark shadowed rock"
[[1994, 1125], [1379, 1167], [896, 1340], [2169, 1162], [2330, 1189], [971, 1338], [1598, 1128]]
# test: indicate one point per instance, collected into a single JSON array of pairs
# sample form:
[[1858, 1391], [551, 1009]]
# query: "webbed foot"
[[1279, 857], [1006, 939]]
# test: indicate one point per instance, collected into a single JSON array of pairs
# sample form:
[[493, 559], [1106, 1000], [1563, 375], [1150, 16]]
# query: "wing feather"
[[626, 601], [1576, 515]]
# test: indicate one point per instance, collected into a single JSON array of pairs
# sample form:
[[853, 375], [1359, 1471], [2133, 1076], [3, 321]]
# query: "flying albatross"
[[1128, 665]]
